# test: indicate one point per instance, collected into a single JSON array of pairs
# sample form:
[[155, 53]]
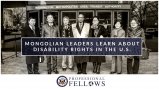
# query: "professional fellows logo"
[[78, 81], [62, 81]]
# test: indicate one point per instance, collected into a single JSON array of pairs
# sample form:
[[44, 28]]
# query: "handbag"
[[145, 52]]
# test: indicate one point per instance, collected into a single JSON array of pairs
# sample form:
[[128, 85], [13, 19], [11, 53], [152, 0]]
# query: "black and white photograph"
[[79, 19]]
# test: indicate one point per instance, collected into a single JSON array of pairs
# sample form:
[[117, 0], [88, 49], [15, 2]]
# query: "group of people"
[[82, 30]]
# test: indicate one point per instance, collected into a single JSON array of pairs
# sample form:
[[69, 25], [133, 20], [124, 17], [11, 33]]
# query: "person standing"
[[81, 30], [51, 30], [97, 31], [31, 31], [116, 66], [135, 30], [66, 31]]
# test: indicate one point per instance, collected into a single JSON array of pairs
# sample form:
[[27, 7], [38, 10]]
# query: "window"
[[104, 18], [71, 15], [88, 16], [123, 16], [34, 14], [55, 15]]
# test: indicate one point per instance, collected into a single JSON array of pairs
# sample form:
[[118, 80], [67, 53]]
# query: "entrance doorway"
[[106, 17], [88, 15], [73, 15], [35, 14], [55, 15], [124, 17]]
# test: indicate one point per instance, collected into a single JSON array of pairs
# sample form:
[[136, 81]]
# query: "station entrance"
[[107, 16]]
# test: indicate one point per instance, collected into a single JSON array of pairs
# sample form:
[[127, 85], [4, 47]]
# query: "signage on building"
[[92, 6]]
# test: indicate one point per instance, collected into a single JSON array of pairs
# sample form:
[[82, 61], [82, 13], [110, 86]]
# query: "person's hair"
[[49, 15], [116, 22], [136, 20], [95, 17], [66, 17], [82, 15], [30, 18], [55, 24]]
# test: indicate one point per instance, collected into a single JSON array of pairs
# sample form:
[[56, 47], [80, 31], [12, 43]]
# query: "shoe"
[[79, 72], [84, 73], [112, 72], [30, 73], [56, 72], [36, 73], [64, 69], [49, 71]]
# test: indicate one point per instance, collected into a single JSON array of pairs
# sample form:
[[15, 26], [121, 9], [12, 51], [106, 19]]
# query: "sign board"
[[88, 6]]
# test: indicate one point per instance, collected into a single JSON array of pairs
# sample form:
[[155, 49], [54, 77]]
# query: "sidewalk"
[[16, 65]]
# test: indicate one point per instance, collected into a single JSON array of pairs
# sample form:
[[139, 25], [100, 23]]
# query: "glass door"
[[71, 14], [88, 14], [74, 14], [55, 15], [35, 14], [123, 16], [105, 19]]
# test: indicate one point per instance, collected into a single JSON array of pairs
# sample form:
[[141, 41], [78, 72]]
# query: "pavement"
[[16, 65]]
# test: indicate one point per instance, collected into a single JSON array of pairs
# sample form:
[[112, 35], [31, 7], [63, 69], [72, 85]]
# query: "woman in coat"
[[135, 30], [66, 31], [97, 31], [116, 66]]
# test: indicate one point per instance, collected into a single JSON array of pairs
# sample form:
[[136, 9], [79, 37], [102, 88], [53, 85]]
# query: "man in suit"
[[31, 61], [81, 30], [51, 30]]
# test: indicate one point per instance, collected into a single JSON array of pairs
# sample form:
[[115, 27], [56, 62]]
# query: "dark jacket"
[[138, 32], [28, 32], [66, 32], [101, 31], [48, 31]]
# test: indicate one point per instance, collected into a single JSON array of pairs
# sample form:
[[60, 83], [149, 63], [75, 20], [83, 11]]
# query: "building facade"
[[107, 11]]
